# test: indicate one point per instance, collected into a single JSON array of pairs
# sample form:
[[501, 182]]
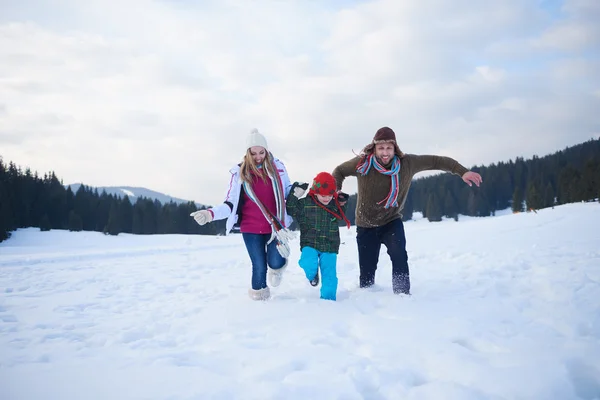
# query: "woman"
[[255, 201], [384, 174]]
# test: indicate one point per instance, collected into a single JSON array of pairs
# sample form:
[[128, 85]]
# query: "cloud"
[[161, 93]]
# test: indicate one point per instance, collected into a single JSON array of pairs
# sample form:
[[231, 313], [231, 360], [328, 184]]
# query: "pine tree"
[[137, 220], [83, 207], [472, 205], [434, 211], [351, 209], [534, 200], [568, 181], [548, 196], [5, 213], [407, 211], [517, 200], [102, 210], [590, 180], [112, 226], [450, 207], [56, 202], [75, 222], [45, 223], [126, 215]]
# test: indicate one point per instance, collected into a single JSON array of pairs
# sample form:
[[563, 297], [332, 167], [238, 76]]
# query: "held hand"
[[343, 198], [299, 189], [471, 177], [202, 217]]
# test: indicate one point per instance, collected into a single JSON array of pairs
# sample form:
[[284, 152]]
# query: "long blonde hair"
[[248, 169]]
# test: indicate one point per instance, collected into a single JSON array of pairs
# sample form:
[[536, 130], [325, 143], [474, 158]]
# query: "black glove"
[[300, 185], [343, 197]]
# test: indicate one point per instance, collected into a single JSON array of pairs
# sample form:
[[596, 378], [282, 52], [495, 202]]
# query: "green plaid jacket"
[[318, 228]]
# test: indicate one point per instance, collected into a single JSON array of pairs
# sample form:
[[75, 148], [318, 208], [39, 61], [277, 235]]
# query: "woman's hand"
[[202, 217]]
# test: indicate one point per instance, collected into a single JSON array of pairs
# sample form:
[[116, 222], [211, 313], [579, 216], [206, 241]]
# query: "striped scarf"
[[369, 161], [277, 222]]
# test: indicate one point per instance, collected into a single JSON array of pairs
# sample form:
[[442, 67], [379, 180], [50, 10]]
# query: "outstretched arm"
[[224, 209], [420, 163]]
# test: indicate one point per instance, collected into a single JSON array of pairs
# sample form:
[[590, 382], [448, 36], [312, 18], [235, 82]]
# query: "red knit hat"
[[324, 184]]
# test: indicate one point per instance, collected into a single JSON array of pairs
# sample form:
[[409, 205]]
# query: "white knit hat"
[[256, 139]]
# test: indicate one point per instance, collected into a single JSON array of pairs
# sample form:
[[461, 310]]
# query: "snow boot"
[[315, 281], [274, 276], [260, 294], [401, 284]]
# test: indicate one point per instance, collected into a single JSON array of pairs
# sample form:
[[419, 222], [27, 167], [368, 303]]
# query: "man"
[[384, 174]]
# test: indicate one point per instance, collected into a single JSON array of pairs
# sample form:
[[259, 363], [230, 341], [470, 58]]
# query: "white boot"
[[260, 294], [274, 276]]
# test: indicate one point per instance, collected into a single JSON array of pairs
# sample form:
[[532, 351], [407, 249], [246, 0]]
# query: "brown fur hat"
[[383, 135]]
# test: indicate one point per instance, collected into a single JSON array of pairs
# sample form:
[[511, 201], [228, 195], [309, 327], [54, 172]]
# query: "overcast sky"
[[161, 94]]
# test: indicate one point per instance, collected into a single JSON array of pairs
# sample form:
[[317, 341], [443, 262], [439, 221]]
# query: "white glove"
[[202, 217], [299, 192]]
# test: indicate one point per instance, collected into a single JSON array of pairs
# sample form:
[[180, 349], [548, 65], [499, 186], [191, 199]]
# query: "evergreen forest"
[[567, 176]]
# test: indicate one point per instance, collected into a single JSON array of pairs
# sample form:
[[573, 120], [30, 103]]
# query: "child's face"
[[324, 199]]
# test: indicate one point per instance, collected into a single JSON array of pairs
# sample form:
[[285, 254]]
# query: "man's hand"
[[343, 198], [471, 177]]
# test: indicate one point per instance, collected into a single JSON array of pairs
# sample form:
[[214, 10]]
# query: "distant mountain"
[[133, 193]]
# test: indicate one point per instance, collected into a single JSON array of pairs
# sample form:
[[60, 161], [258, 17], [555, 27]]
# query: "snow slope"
[[504, 307]]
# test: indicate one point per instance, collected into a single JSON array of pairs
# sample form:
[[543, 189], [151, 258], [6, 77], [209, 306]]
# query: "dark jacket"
[[319, 229]]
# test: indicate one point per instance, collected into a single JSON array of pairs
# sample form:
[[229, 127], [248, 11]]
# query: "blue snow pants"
[[310, 261]]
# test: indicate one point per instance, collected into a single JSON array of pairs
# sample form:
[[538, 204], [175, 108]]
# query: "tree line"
[[28, 200], [569, 175]]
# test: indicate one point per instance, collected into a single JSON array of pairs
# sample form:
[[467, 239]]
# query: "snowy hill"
[[504, 307], [134, 193]]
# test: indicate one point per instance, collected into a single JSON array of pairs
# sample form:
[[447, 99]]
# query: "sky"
[[501, 308], [161, 94]]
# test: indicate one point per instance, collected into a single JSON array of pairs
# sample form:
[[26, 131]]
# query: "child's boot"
[[315, 281]]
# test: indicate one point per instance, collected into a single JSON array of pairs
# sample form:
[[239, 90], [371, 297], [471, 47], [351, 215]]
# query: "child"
[[317, 216]]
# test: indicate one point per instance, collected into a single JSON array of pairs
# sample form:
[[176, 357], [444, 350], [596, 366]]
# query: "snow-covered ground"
[[505, 307]]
